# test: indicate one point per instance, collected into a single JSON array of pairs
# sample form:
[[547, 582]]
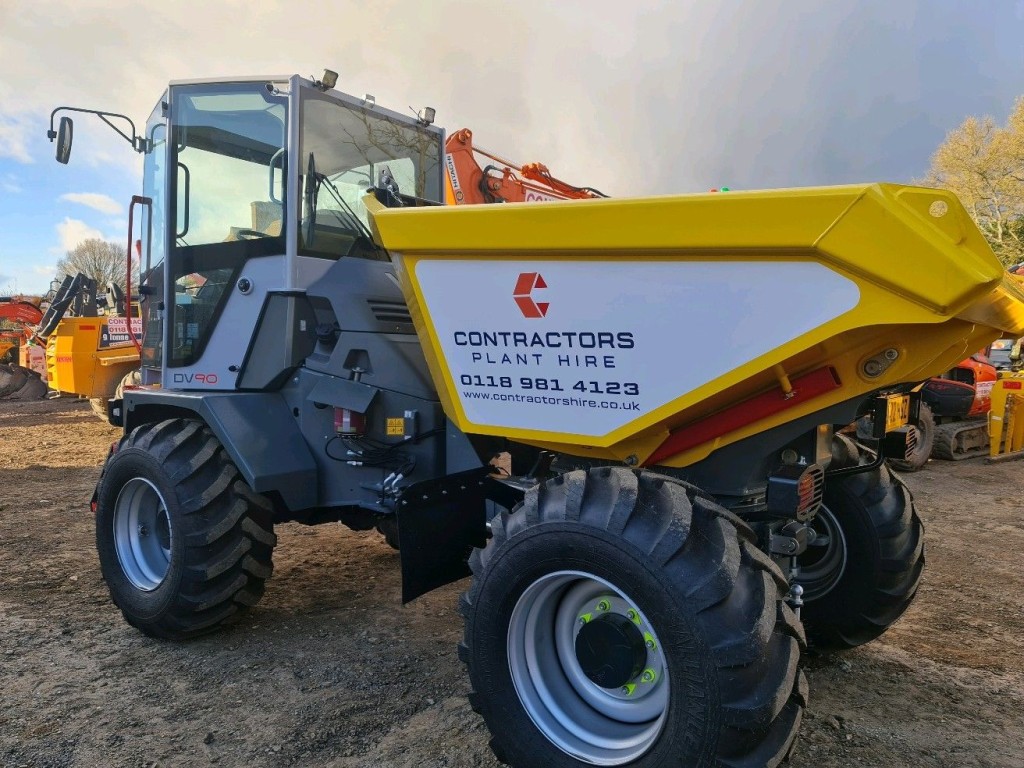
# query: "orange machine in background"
[[467, 182]]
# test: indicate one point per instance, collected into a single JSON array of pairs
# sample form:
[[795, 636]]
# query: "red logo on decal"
[[527, 283]]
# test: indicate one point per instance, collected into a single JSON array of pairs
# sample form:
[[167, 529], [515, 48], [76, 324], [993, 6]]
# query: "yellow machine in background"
[[89, 356], [1006, 419]]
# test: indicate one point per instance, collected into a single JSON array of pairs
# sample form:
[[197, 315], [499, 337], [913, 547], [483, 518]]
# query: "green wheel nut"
[[633, 616], [649, 675], [604, 605]]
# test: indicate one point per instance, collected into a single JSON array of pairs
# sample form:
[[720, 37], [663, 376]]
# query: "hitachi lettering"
[[548, 340]]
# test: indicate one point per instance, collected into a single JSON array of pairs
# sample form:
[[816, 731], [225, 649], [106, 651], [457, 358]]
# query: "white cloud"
[[73, 231], [101, 203], [45, 270], [9, 183], [632, 98], [13, 138]]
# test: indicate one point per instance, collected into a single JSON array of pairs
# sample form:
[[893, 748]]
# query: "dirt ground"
[[330, 669]]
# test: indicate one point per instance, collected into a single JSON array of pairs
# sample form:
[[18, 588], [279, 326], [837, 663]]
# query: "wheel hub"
[[611, 650], [142, 534], [595, 687], [823, 563]]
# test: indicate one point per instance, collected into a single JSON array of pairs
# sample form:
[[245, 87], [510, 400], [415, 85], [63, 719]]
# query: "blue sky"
[[633, 98]]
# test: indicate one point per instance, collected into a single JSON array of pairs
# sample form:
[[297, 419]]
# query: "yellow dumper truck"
[[621, 416]]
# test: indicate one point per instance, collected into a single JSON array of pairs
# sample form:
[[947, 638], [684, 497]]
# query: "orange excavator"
[[16, 315], [468, 182], [952, 422], [18, 319]]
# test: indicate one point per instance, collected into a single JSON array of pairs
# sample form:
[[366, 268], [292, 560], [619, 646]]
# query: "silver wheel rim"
[[596, 725], [142, 534], [823, 563]]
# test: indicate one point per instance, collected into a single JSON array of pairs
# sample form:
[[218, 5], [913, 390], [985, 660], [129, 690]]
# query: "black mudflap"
[[439, 523]]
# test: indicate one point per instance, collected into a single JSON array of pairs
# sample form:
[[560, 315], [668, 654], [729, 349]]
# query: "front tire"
[[863, 569], [689, 656], [184, 544]]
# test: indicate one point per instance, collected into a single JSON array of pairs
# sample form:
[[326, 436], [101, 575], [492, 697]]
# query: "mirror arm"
[[139, 143]]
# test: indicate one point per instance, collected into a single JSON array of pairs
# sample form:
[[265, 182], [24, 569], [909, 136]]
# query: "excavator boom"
[[468, 182]]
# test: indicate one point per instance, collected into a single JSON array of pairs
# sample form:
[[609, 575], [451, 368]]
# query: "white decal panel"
[[586, 347], [116, 334]]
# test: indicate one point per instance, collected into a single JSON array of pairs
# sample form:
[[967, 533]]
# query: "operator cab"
[[254, 187]]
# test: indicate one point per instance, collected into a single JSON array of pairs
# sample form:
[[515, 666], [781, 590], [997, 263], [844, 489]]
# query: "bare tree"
[[101, 260], [983, 164]]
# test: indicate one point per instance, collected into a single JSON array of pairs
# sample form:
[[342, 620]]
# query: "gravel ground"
[[330, 669]]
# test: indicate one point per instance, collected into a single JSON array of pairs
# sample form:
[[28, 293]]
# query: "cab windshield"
[[342, 153], [228, 174]]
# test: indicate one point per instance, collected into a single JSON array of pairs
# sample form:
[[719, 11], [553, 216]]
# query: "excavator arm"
[[470, 182], [17, 316]]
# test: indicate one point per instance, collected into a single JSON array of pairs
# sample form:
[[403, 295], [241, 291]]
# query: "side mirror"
[[65, 135]]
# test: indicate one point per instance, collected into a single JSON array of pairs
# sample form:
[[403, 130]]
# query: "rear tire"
[[650, 552], [863, 571], [184, 544], [925, 428]]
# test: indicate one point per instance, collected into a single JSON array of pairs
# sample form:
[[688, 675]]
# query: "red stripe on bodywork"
[[805, 388]]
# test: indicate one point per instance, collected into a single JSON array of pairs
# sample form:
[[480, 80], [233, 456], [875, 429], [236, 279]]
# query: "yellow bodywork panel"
[[1006, 419], [84, 358], [664, 328]]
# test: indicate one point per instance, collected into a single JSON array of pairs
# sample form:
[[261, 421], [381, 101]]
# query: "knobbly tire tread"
[[225, 537], [710, 567], [884, 570], [18, 383], [12, 378], [388, 528], [946, 437], [34, 387]]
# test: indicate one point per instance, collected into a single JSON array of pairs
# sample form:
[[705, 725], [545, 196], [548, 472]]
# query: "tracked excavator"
[[960, 402], [952, 418], [651, 543]]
